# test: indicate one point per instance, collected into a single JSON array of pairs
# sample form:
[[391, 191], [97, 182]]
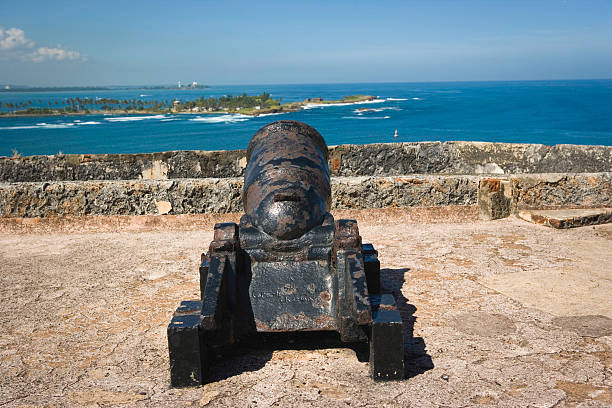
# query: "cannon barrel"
[[286, 183]]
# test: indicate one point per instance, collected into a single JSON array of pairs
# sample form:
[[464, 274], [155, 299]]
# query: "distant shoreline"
[[100, 88], [178, 109]]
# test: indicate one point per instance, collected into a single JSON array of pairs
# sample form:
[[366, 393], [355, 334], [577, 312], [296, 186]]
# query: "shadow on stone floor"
[[416, 359], [253, 354]]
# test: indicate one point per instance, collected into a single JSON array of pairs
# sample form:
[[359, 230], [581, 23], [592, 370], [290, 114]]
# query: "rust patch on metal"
[[287, 189]]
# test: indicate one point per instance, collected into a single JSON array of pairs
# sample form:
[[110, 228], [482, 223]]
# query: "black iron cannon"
[[287, 267]]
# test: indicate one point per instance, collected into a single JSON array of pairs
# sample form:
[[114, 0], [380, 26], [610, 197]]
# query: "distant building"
[[317, 99], [194, 84], [7, 87], [179, 84]]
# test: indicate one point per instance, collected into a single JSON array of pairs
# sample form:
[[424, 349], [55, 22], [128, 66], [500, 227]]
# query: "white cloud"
[[14, 38], [15, 45], [58, 54]]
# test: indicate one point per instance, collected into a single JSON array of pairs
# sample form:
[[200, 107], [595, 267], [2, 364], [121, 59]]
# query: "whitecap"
[[143, 95], [54, 125], [366, 117], [416, 99], [363, 110], [397, 99], [88, 123], [19, 127], [133, 118], [229, 118], [272, 114], [323, 105], [41, 126]]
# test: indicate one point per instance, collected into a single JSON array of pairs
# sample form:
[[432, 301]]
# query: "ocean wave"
[[168, 119], [271, 114], [366, 117], [88, 123], [324, 105], [230, 118], [363, 110], [133, 118], [416, 99], [19, 127], [54, 125], [143, 95], [40, 126], [397, 99]]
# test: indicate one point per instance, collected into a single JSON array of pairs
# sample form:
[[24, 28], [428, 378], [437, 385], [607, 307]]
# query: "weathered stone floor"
[[489, 312]]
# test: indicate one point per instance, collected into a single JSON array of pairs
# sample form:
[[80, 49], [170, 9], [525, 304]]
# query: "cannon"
[[288, 266]]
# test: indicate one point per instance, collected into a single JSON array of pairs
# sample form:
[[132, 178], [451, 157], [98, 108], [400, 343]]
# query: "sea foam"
[[42, 125], [89, 123], [133, 118], [364, 110], [271, 114], [230, 118], [324, 105], [366, 117]]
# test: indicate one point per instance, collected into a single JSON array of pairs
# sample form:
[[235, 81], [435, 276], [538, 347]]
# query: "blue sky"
[[244, 42]]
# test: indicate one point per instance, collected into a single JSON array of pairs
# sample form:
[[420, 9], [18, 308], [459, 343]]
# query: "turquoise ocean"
[[546, 112]]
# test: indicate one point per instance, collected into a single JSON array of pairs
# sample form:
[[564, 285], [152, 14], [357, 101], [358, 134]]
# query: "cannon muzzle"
[[286, 183]]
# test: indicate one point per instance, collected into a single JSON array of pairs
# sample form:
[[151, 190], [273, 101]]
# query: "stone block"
[[494, 198], [568, 218]]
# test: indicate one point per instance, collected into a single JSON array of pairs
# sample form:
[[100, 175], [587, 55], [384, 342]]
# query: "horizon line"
[[312, 83]]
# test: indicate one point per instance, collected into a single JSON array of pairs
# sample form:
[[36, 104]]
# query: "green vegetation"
[[36, 111], [244, 104], [353, 99]]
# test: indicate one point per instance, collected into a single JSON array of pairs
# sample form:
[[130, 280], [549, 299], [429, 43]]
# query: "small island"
[[243, 104]]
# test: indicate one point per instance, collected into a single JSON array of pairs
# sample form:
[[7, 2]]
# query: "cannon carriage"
[[288, 266]]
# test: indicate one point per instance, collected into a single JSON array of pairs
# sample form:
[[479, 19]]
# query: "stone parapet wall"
[[379, 159], [563, 190], [501, 196], [210, 195], [467, 158], [223, 195]]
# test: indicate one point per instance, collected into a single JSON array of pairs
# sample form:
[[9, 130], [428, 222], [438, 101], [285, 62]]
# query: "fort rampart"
[[499, 178]]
